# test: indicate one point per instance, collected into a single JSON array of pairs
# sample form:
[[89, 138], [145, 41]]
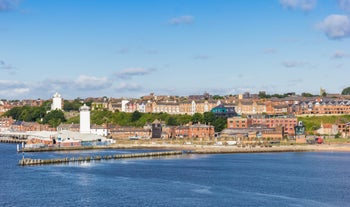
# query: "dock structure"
[[15, 135], [12, 140], [29, 161]]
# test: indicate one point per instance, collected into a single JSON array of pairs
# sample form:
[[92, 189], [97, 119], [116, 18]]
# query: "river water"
[[267, 179]]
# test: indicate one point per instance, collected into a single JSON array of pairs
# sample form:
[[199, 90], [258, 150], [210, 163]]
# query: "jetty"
[[29, 161], [11, 140]]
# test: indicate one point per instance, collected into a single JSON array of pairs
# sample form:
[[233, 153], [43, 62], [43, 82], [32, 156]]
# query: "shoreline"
[[208, 149]]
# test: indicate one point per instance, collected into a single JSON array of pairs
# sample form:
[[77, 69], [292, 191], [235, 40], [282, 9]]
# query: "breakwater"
[[10, 140], [29, 161]]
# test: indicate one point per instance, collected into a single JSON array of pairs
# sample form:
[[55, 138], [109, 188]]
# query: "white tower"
[[56, 102], [85, 119]]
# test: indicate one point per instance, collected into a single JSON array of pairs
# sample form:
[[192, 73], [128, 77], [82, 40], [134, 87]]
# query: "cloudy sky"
[[176, 47]]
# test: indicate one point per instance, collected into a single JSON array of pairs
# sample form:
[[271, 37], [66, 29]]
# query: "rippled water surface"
[[269, 179]]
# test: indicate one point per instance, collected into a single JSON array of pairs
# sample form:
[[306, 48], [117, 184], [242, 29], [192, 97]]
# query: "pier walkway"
[[29, 161]]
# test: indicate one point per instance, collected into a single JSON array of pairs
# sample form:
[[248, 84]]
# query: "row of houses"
[[115, 131], [127, 132], [275, 106], [9, 124], [243, 105]]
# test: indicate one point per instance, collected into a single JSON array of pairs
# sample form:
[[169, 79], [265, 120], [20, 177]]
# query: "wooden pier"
[[29, 161], [11, 140]]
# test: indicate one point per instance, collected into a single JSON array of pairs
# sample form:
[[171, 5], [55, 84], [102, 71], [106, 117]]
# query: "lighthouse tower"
[[56, 102], [85, 119]]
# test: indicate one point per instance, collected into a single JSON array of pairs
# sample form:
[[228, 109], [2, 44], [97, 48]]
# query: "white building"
[[56, 102], [85, 119], [99, 130], [124, 102]]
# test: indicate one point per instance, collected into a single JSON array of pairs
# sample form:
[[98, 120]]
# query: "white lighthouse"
[[56, 102], [85, 119]]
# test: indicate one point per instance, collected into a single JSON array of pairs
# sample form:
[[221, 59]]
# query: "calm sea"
[[269, 179]]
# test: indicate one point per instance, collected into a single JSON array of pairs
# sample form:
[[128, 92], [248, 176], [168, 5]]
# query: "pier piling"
[[29, 161]]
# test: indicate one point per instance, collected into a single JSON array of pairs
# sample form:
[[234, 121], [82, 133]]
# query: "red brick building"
[[194, 131], [287, 122]]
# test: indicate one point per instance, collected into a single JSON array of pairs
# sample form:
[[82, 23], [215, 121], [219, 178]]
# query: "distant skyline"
[[131, 48]]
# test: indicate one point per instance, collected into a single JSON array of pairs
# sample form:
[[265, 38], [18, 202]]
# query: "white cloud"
[[129, 87], [13, 89], [186, 19], [305, 5], [344, 4], [4, 66], [335, 26], [92, 83], [340, 54], [201, 57], [128, 73], [293, 64], [7, 84]]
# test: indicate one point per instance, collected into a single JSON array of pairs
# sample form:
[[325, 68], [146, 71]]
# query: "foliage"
[[314, 122], [100, 117], [208, 117], [217, 97], [346, 91], [54, 118], [73, 120], [219, 124], [197, 118], [306, 94], [136, 115], [137, 119], [72, 105], [26, 113], [172, 121], [264, 95]]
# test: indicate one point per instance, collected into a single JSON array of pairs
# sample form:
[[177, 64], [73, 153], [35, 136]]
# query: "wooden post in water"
[[29, 161]]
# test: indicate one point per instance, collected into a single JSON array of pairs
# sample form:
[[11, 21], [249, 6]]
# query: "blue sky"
[[94, 48]]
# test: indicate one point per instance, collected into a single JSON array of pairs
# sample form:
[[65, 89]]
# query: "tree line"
[[42, 115]]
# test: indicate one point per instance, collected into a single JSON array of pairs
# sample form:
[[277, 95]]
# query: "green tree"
[[172, 121], [15, 113], [54, 118], [346, 91], [217, 97], [219, 124], [306, 94], [208, 117], [136, 115], [197, 117], [72, 105], [26, 113], [183, 119]]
